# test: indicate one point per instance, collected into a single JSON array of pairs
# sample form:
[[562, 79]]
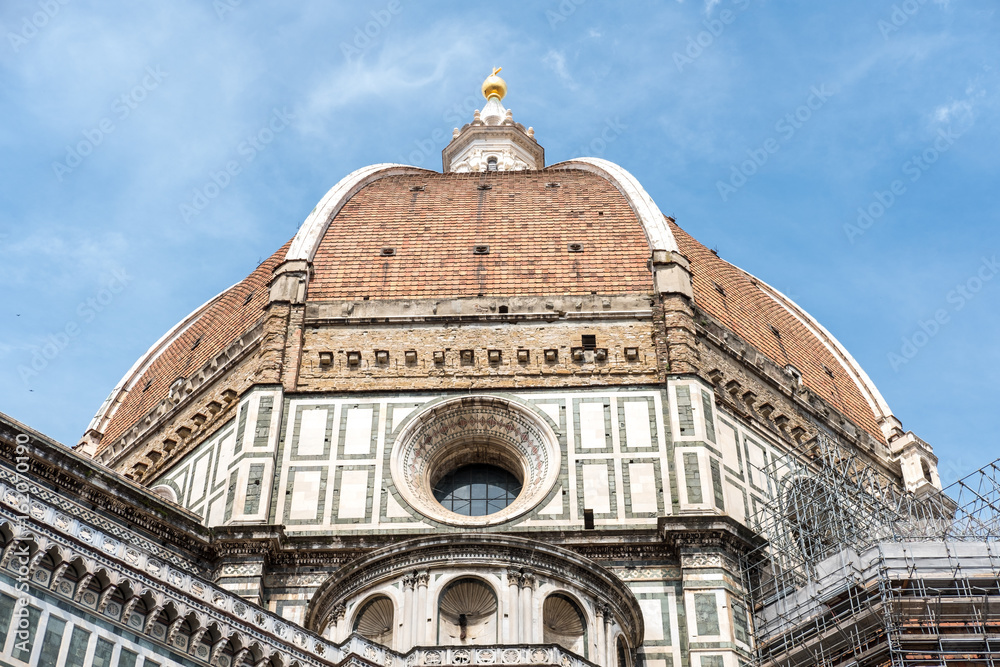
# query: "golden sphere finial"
[[494, 85]]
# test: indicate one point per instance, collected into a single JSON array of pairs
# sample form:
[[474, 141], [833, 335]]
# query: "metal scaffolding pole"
[[857, 571]]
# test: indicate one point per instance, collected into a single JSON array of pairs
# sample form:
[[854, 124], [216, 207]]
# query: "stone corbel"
[[82, 587], [35, 560], [8, 552], [57, 574], [129, 607], [217, 650], [175, 626], [196, 637], [105, 597], [153, 616], [240, 656]]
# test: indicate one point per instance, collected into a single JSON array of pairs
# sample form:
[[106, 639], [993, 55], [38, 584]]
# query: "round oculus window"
[[479, 489], [475, 460]]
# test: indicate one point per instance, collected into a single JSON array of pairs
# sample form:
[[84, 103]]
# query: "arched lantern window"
[[621, 652]]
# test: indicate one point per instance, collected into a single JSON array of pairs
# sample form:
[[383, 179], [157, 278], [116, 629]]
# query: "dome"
[[585, 228]]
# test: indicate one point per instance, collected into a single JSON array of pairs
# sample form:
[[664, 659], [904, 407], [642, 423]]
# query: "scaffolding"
[[855, 570]]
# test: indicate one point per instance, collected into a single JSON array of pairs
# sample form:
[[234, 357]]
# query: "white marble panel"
[[551, 409], [555, 505], [198, 478], [592, 433], [358, 438], [652, 616], [596, 495], [305, 494], [353, 492], [393, 510], [399, 414], [637, 432], [757, 460], [734, 502], [312, 433], [216, 513], [728, 443], [642, 483]]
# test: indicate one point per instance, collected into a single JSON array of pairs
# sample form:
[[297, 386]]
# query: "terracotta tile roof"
[[750, 312], [223, 322], [527, 226]]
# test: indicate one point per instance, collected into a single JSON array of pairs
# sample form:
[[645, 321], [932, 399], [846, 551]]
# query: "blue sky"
[[844, 152]]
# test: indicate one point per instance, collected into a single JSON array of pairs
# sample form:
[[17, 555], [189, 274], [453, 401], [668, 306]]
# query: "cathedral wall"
[[192, 413], [321, 466], [227, 477], [481, 356], [335, 462], [629, 455]]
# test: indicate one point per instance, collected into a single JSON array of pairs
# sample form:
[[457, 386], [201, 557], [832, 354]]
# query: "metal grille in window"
[[477, 490]]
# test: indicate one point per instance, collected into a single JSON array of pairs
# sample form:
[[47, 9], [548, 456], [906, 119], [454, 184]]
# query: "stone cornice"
[[96, 490], [137, 575], [708, 531]]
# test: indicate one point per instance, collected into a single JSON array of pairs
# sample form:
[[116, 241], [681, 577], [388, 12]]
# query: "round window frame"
[[500, 431]]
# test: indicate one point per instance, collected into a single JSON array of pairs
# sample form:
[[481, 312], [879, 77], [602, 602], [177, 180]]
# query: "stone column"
[[423, 612], [527, 624], [339, 624], [511, 631], [406, 632], [609, 637], [599, 632]]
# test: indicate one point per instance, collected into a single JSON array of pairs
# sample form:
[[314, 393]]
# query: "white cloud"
[[946, 113], [556, 61], [401, 66], [710, 5]]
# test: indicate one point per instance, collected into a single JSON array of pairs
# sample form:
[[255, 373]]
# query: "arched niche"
[[376, 620], [467, 613], [563, 623]]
